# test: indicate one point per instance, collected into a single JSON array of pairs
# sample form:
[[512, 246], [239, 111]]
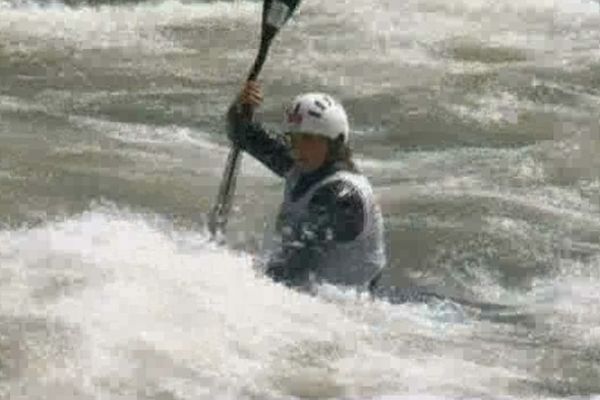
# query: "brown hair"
[[340, 152]]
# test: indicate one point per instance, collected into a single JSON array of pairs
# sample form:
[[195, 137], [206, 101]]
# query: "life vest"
[[351, 263]]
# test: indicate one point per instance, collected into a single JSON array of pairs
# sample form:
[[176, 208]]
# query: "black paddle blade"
[[277, 12]]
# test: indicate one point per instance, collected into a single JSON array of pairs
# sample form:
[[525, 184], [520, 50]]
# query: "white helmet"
[[316, 113]]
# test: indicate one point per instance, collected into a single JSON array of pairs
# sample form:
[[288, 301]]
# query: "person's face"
[[309, 151]]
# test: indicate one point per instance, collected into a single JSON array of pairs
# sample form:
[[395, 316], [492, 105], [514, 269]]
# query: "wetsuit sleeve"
[[336, 214], [270, 150]]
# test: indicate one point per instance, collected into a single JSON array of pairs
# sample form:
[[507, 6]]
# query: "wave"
[[112, 301], [114, 294]]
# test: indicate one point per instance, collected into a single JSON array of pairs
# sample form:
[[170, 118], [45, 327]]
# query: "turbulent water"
[[476, 121]]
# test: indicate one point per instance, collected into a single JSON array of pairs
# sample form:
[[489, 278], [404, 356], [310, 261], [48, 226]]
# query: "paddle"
[[274, 15]]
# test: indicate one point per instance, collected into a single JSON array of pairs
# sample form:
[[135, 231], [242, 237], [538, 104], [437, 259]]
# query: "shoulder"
[[343, 205], [338, 192]]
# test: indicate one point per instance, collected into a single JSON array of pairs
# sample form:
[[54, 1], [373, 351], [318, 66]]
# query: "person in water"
[[330, 227]]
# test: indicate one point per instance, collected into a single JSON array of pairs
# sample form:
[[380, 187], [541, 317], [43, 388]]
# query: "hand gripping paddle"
[[274, 15]]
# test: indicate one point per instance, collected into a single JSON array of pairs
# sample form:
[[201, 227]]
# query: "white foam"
[[159, 309], [127, 26], [147, 134], [569, 298], [412, 36], [14, 104], [467, 171], [506, 108]]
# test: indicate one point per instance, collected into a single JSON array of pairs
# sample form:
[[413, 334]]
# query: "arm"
[[250, 136]]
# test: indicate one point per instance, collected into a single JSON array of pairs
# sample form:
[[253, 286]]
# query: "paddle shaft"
[[271, 23]]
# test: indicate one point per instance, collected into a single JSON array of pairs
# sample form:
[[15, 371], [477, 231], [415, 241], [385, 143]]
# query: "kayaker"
[[329, 226]]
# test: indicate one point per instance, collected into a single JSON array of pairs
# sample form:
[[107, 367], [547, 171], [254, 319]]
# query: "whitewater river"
[[478, 123]]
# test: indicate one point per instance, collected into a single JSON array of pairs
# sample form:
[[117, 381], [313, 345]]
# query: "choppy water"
[[477, 122]]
